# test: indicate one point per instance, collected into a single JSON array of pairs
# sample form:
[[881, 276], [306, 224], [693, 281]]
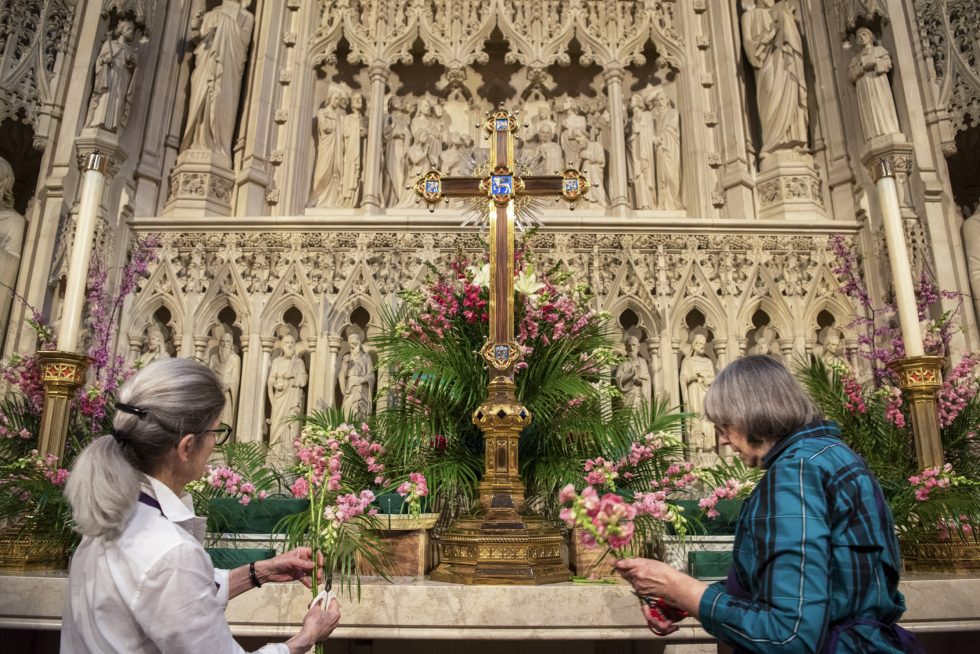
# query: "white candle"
[[93, 182], [898, 255]]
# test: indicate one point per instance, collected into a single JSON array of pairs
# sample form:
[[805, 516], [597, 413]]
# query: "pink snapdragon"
[[599, 472], [606, 520], [414, 490], [228, 481], [959, 388], [932, 479], [730, 490]]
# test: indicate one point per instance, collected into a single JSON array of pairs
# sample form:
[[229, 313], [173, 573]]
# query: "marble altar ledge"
[[427, 610]]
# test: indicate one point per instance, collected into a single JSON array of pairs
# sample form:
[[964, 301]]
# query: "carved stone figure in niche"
[[397, 134], [574, 133], [287, 384], [667, 151], [971, 242], [633, 376], [261, 273], [594, 164], [868, 71], [454, 159], [227, 365], [427, 131], [832, 340], [548, 149], [763, 341], [224, 34], [774, 47], [639, 146], [109, 106], [355, 129], [696, 375], [196, 271], [357, 379], [329, 173], [156, 346], [12, 226]]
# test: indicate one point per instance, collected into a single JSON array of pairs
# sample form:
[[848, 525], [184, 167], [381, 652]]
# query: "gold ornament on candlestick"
[[920, 378], [501, 544]]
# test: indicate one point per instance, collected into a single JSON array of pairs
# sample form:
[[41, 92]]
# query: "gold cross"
[[501, 187]]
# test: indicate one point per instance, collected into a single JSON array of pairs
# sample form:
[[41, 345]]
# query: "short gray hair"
[[758, 396], [180, 396]]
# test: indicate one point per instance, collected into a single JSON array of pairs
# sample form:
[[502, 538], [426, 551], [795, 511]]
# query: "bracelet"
[[253, 576]]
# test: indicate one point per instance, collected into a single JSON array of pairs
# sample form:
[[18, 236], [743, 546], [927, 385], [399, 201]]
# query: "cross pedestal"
[[501, 543]]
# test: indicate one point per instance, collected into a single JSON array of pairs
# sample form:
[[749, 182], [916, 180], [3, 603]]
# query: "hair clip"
[[129, 408]]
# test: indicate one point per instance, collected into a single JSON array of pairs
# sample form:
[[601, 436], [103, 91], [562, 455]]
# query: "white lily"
[[481, 276], [527, 283]]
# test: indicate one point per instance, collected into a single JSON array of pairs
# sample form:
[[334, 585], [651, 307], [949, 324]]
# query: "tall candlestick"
[[898, 254], [93, 183]]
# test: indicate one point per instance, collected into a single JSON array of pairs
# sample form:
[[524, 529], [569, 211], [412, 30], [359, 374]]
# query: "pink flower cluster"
[[930, 479], [892, 396], [678, 477], [550, 315], [958, 389], [7, 431], [320, 456], [414, 490], [599, 472], [606, 520], [228, 481], [350, 506], [854, 392], [730, 490], [945, 528]]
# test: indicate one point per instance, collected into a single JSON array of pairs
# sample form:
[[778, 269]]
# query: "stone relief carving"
[[774, 47], [868, 71], [223, 36], [667, 151], [12, 226], [697, 373], [227, 365], [113, 88], [287, 397], [639, 146], [633, 377], [357, 379], [947, 31], [397, 135]]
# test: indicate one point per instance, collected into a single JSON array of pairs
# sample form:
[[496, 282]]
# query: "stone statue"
[[156, 347], [330, 172], [355, 129], [832, 340], [774, 47], [396, 135], [426, 128], [696, 375], [219, 63], [594, 164], [633, 376], [109, 105], [227, 365], [667, 151], [549, 151], [287, 381], [12, 226], [868, 71], [971, 242], [639, 146], [357, 379], [763, 341]]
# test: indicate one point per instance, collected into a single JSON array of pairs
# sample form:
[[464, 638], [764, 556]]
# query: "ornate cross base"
[[500, 545], [201, 184], [789, 187], [920, 378], [62, 373]]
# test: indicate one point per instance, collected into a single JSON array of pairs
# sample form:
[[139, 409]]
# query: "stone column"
[[373, 202], [258, 428], [200, 347], [250, 398], [618, 198], [334, 342]]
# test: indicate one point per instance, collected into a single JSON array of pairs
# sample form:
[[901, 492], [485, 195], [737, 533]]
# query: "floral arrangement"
[[430, 346], [31, 488], [339, 469], [874, 419], [413, 491]]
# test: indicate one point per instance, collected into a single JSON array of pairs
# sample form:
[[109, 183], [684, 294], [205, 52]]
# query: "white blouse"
[[152, 590]]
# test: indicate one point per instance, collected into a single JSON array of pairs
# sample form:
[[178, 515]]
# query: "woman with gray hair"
[[816, 560], [140, 581]]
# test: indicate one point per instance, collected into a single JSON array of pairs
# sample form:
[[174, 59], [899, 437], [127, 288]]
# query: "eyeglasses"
[[221, 433]]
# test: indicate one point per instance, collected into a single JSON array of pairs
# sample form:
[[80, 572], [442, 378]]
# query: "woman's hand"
[[294, 565], [319, 623], [657, 579], [657, 623]]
